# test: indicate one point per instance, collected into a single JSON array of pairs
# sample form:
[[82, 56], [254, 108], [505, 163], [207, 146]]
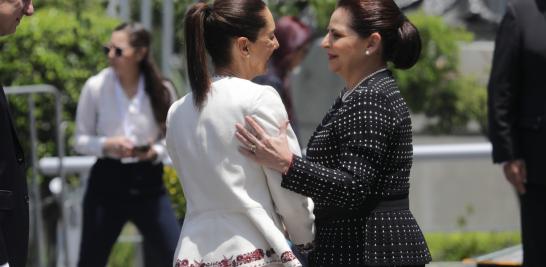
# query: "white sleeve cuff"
[[161, 153]]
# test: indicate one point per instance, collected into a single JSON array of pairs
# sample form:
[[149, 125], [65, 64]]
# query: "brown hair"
[[212, 28], [160, 97], [400, 38]]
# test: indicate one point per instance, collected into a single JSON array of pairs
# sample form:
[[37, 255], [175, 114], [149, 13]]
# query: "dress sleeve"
[[87, 141], [362, 135], [503, 87], [295, 210]]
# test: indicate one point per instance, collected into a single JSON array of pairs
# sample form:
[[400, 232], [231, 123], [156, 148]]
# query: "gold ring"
[[253, 149]]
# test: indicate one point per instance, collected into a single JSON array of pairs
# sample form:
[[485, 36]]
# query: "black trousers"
[[533, 225], [105, 214]]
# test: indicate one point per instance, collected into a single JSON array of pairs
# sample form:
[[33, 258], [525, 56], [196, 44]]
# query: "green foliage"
[[174, 189], [65, 55], [123, 254], [434, 86], [286, 7], [460, 245], [322, 9], [57, 48]]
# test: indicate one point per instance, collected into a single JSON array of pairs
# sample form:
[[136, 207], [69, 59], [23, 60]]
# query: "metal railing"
[[81, 165]]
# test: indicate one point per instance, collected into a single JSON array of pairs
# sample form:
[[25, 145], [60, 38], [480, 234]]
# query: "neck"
[[234, 71], [128, 79], [354, 78]]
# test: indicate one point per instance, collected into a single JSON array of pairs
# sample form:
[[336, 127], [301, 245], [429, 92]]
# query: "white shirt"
[[104, 110], [237, 210]]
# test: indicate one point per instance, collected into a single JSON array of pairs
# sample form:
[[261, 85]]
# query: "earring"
[[367, 53]]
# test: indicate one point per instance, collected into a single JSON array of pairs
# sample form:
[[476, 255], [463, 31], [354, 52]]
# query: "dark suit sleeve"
[[503, 89], [363, 134], [3, 250], [3, 172]]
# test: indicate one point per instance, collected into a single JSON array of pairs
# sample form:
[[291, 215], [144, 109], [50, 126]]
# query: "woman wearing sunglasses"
[[121, 120]]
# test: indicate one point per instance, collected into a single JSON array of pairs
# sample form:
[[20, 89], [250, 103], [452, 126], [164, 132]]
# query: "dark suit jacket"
[[517, 88], [13, 192]]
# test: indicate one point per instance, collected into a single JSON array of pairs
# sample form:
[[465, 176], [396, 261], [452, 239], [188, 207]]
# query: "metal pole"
[[111, 9], [36, 195], [60, 153], [167, 36], [146, 13], [125, 10]]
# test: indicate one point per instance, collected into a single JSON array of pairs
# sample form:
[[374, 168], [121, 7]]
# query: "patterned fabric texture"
[[362, 151]]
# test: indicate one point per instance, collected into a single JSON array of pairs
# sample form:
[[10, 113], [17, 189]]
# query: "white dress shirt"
[[104, 110], [237, 211]]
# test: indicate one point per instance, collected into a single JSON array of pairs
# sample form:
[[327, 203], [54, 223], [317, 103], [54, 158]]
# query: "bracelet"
[[289, 165]]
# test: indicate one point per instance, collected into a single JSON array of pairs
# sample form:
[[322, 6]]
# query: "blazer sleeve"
[[87, 142], [295, 210], [503, 89], [3, 249], [362, 133]]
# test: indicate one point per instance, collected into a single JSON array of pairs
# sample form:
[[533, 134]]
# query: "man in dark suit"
[[13, 186], [517, 116]]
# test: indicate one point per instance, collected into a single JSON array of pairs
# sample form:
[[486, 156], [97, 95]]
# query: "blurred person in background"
[[121, 120], [237, 213], [517, 116], [294, 39], [13, 183], [358, 160]]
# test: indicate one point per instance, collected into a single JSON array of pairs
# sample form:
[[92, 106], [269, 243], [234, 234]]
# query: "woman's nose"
[[29, 9], [325, 43]]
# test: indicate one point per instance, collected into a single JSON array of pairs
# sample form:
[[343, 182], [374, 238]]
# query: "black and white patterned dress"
[[357, 172]]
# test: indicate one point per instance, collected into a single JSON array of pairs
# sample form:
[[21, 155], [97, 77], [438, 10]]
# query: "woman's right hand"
[[270, 151], [118, 147]]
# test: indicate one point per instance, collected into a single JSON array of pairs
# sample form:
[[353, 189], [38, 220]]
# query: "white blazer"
[[237, 211]]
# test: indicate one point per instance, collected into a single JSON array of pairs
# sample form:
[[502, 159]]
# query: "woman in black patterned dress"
[[359, 158]]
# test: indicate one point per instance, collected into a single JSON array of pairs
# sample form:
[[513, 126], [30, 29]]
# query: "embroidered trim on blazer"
[[257, 258]]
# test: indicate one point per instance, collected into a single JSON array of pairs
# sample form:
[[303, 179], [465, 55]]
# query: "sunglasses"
[[118, 52]]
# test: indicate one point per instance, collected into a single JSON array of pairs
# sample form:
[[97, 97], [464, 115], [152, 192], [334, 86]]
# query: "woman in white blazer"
[[237, 212]]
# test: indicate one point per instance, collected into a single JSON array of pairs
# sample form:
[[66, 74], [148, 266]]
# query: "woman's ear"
[[141, 53], [374, 43], [243, 46]]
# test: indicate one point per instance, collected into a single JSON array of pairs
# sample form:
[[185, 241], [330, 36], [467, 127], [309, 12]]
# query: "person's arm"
[[502, 100], [295, 210], [503, 89], [87, 142], [3, 250], [363, 133]]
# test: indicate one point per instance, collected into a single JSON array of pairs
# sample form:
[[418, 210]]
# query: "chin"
[[333, 68]]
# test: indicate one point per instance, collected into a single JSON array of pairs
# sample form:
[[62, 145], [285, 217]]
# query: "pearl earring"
[[367, 52]]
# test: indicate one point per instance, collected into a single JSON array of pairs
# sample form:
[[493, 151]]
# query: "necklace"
[[349, 92], [219, 77], [224, 74]]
